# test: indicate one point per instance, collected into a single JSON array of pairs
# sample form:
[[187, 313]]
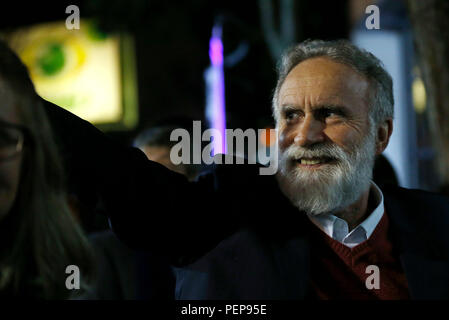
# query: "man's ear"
[[383, 134]]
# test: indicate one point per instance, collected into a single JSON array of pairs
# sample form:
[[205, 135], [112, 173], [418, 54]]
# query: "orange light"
[[268, 137]]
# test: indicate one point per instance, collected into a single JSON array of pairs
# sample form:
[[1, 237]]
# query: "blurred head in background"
[[155, 143], [333, 106], [39, 236]]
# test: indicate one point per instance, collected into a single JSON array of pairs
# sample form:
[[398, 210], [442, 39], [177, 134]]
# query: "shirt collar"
[[337, 228], [370, 223]]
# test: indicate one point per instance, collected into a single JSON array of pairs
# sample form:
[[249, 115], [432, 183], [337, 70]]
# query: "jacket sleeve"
[[149, 206]]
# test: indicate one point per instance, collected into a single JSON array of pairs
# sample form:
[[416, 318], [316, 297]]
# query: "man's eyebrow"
[[290, 107], [332, 107]]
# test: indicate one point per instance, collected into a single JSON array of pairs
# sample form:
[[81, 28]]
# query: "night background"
[[171, 43], [172, 40], [76, 199]]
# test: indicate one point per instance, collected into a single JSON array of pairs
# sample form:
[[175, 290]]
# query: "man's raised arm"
[[149, 206]]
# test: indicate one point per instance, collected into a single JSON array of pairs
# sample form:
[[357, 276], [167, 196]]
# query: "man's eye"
[[329, 113], [290, 116]]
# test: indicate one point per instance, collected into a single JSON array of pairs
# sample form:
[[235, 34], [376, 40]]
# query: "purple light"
[[216, 51], [215, 109]]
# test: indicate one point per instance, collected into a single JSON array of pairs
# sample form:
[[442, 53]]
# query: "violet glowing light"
[[215, 92]]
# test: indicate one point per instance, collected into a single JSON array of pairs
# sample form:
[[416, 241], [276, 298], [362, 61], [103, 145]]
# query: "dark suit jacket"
[[254, 265], [233, 232]]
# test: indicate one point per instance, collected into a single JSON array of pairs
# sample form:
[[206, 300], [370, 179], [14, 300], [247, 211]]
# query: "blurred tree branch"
[[430, 21], [278, 41]]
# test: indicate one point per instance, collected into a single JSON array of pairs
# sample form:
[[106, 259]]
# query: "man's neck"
[[358, 211]]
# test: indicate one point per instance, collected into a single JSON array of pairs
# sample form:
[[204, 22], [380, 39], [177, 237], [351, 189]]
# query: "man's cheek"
[[284, 140]]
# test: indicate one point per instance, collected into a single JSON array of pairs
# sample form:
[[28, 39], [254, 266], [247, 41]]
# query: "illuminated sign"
[[88, 72]]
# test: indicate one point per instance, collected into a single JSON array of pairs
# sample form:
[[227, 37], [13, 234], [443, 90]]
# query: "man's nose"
[[310, 131]]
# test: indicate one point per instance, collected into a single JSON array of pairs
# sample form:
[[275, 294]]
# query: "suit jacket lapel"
[[427, 277]]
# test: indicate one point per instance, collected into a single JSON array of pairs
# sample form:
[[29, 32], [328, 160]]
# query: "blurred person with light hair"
[[155, 142]]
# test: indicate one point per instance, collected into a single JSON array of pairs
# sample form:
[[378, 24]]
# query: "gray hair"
[[342, 51]]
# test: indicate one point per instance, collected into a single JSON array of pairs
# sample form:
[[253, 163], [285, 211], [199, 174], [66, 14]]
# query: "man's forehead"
[[329, 85]]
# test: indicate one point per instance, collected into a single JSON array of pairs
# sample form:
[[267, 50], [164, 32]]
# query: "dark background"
[[172, 40]]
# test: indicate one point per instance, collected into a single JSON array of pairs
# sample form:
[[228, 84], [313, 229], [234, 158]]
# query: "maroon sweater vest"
[[339, 272]]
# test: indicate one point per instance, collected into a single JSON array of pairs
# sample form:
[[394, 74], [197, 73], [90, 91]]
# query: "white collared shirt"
[[337, 228]]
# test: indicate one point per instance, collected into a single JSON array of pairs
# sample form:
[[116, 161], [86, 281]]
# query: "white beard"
[[334, 186]]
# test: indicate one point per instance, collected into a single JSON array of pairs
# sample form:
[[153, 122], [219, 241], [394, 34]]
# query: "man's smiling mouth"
[[314, 162]]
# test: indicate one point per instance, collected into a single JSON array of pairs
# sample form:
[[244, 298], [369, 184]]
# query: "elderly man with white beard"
[[319, 229], [330, 133]]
